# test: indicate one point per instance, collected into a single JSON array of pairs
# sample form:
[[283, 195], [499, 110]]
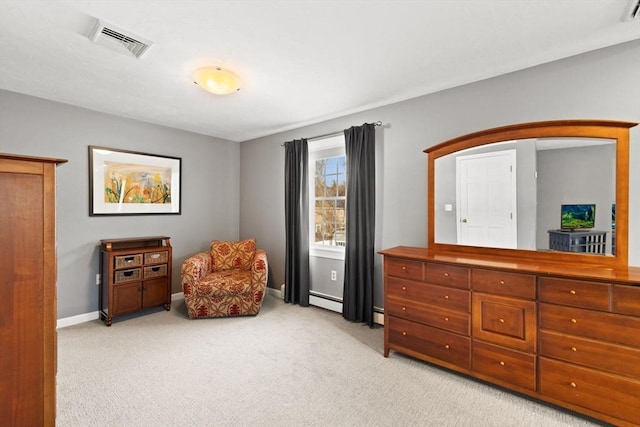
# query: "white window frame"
[[333, 146]]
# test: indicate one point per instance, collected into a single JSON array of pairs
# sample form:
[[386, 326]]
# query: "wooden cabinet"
[[136, 275], [28, 311], [566, 336]]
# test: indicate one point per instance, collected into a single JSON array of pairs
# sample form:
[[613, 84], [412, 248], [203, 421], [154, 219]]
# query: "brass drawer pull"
[[574, 321], [404, 288], [574, 385], [446, 297], [446, 274], [404, 308], [446, 346], [574, 349], [446, 319], [501, 320], [404, 268], [502, 282], [501, 363], [572, 292], [404, 333]]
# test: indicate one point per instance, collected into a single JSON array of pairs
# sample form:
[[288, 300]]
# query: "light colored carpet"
[[288, 366]]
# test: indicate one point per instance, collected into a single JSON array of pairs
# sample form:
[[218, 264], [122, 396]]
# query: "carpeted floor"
[[288, 366]]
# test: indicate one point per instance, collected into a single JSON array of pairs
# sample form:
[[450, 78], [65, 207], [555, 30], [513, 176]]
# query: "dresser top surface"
[[628, 275]]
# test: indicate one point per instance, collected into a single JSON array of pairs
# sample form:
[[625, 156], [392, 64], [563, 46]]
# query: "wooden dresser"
[[565, 335], [28, 274], [136, 275]]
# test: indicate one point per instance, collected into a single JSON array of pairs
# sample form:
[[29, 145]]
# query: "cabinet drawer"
[[447, 275], [156, 257], [606, 393], [403, 268], [126, 261], [433, 342], [609, 327], [504, 283], [505, 321], [454, 321], [576, 293], [626, 299], [513, 367], [595, 354], [128, 275], [155, 271]]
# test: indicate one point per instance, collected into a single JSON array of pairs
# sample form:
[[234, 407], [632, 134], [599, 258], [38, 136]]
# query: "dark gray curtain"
[[357, 305], [296, 200]]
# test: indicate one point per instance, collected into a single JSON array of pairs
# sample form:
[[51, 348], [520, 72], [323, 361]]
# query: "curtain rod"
[[327, 135]]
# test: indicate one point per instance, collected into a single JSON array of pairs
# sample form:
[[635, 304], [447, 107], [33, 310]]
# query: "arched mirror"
[[555, 190]]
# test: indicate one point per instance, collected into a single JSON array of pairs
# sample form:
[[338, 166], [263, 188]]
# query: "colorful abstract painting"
[[132, 183], [126, 182]]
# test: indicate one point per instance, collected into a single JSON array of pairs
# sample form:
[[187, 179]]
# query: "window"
[[327, 197]]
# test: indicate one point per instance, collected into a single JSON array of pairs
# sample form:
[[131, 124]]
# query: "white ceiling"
[[301, 62]]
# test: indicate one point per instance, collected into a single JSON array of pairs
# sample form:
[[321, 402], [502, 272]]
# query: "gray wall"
[[574, 176], [210, 187], [601, 84]]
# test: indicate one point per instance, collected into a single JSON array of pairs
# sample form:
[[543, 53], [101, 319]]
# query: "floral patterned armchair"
[[229, 280]]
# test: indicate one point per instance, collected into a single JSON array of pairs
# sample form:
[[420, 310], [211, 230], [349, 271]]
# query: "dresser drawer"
[[626, 299], [511, 366], [598, 325], [127, 261], [447, 275], [509, 322], [403, 268], [406, 289], [155, 271], [445, 297], [454, 321], [433, 342], [606, 393], [156, 257], [504, 283], [613, 358], [576, 293]]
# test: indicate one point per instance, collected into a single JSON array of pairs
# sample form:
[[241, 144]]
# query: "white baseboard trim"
[[76, 320], [88, 317], [325, 303], [275, 292]]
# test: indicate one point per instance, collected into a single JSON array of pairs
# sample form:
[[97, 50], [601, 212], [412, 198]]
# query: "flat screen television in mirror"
[[577, 217]]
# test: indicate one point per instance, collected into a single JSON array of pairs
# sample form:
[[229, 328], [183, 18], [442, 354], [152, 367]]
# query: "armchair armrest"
[[259, 269], [194, 269]]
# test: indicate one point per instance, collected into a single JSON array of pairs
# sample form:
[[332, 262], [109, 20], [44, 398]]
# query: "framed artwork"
[[125, 182]]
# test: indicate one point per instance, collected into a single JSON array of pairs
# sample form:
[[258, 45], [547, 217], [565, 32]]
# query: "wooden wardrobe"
[[28, 290]]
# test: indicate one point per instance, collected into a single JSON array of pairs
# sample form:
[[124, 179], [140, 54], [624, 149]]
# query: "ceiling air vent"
[[114, 38], [632, 11]]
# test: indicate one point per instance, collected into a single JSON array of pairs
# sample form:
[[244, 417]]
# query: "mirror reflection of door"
[[486, 199]]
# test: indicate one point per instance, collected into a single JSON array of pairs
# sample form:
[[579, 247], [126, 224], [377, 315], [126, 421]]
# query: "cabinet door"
[[155, 292], [509, 322], [127, 298]]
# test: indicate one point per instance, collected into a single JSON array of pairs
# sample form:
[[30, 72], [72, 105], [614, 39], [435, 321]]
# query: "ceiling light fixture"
[[216, 80]]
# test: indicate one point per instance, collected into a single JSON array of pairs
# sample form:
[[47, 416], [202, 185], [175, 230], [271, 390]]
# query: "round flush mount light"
[[216, 80]]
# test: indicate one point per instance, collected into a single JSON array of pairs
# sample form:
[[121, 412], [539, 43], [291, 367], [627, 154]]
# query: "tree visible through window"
[[330, 201]]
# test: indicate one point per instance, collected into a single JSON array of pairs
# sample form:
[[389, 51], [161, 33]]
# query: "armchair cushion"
[[228, 282], [228, 255]]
